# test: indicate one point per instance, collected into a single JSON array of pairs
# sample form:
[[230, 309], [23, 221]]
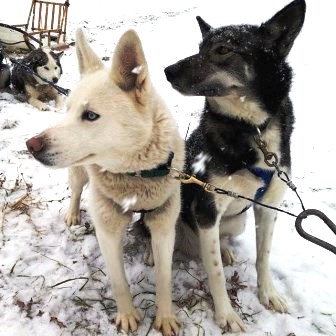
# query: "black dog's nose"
[[171, 72], [55, 80], [35, 145]]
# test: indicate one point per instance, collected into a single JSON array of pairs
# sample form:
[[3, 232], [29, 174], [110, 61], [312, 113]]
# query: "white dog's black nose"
[[55, 80]]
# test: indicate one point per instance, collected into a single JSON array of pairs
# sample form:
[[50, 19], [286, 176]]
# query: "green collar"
[[161, 170]]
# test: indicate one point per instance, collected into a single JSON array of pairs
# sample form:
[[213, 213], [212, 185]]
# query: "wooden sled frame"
[[48, 19]]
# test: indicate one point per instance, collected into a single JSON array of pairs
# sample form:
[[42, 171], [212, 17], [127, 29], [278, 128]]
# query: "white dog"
[[120, 135]]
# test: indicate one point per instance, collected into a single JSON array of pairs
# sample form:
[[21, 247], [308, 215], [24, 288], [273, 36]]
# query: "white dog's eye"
[[46, 68], [90, 116]]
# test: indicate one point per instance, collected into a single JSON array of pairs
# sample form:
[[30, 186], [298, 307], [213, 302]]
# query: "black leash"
[[313, 212], [271, 160]]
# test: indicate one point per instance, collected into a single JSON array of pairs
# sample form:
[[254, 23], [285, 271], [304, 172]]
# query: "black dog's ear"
[[205, 27], [281, 30]]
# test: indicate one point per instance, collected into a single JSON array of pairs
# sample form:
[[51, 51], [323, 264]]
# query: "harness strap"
[[266, 175], [141, 221]]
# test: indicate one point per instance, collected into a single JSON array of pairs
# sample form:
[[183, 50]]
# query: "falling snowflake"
[[199, 164], [128, 202]]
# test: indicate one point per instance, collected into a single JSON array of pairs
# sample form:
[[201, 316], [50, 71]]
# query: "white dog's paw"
[[230, 321], [272, 300], [167, 324], [128, 321], [72, 218]]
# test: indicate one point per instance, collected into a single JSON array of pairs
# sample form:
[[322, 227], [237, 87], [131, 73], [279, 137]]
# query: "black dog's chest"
[[227, 148]]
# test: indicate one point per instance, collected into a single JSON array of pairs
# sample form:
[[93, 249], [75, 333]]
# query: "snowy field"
[[53, 280]]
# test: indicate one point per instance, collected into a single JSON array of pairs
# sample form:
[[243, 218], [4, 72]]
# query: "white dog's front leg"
[[78, 178], [264, 220], [226, 317], [162, 227], [110, 226]]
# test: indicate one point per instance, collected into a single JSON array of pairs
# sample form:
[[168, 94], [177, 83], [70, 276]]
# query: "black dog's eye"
[[222, 50], [46, 68], [90, 116]]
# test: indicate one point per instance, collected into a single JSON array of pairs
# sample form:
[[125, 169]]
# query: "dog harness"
[[266, 175]]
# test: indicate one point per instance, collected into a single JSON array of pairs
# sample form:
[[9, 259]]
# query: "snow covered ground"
[[52, 279]]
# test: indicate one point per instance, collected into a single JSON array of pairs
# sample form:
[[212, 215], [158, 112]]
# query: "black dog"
[[243, 73]]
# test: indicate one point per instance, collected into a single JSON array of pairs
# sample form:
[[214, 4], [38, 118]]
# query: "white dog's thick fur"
[[116, 123]]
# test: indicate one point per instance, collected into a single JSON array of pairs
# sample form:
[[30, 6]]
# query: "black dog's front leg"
[[208, 219]]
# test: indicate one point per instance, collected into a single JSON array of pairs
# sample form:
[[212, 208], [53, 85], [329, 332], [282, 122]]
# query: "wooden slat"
[[46, 17], [40, 16], [33, 21], [65, 22], [58, 12], [59, 16], [52, 16]]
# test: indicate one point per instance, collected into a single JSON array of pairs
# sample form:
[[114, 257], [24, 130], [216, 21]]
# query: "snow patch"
[[137, 70], [199, 164], [128, 202]]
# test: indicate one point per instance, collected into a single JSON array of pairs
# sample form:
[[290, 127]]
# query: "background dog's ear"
[[205, 27], [36, 56], [281, 30], [57, 56], [60, 54], [129, 66], [88, 61]]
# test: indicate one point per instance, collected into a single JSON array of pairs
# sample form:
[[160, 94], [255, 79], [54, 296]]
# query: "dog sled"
[[45, 26], [14, 39]]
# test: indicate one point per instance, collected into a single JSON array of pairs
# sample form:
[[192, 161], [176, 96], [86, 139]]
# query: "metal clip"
[[175, 174], [270, 158], [189, 179]]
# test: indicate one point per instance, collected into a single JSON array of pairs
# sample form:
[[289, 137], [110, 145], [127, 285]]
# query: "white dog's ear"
[[88, 61], [129, 66]]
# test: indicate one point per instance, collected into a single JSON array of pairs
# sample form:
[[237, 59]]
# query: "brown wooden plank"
[[46, 17], [52, 16]]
